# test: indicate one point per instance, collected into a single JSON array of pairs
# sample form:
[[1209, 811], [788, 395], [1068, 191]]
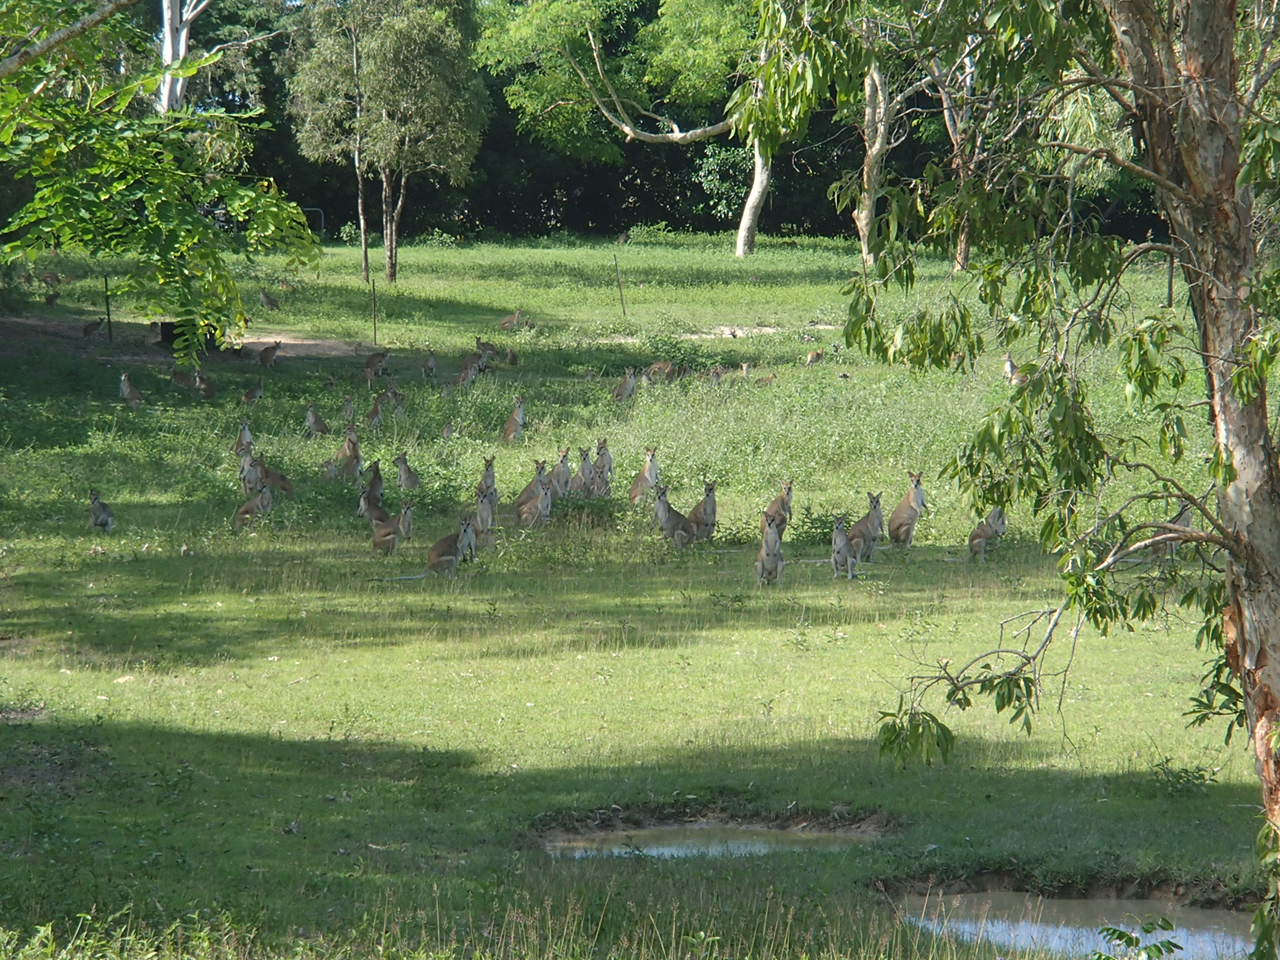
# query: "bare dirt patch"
[[295, 346]]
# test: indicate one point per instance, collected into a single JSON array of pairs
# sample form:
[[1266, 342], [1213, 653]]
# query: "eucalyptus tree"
[[583, 71], [1189, 85], [164, 193], [390, 86]]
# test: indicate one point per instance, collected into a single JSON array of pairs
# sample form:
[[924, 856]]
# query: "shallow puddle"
[[1023, 921], [700, 839]]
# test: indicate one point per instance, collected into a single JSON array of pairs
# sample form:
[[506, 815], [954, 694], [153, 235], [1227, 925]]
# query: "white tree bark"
[[749, 224], [176, 20]]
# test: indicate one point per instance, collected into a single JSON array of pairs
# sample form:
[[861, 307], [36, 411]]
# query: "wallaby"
[[447, 552], [905, 516], [514, 428], [870, 528], [626, 388], [387, 534], [561, 475], [675, 525], [268, 301], [845, 552], [648, 477], [584, 481], [205, 386], [375, 366], [815, 356], [530, 492], [484, 522], [487, 479], [703, 517], [92, 327], [429, 367], [374, 417], [181, 378], [100, 515], [314, 423], [267, 355], [129, 393], [538, 509], [485, 347], [1012, 372], [348, 409], [987, 532], [512, 357], [348, 464], [260, 503], [253, 394], [447, 430], [409, 479], [250, 473], [766, 381], [780, 509], [769, 560], [512, 320], [604, 469], [244, 439], [273, 478], [660, 370], [371, 496]]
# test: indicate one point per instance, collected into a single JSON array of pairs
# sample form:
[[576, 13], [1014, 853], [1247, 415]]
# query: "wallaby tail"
[[419, 576]]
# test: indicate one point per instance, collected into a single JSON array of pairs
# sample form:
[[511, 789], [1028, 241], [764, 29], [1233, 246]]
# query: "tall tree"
[[1193, 83], [392, 87]]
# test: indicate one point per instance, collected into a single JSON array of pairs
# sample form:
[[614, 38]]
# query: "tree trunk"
[[176, 18], [750, 222], [1193, 143], [360, 215], [875, 136], [357, 153], [393, 195]]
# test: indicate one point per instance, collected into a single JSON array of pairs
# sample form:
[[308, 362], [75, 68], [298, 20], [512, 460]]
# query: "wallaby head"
[[917, 489], [708, 488], [601, 446]]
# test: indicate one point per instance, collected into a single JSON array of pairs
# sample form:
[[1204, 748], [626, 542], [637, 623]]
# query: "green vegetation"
[[244, 735]]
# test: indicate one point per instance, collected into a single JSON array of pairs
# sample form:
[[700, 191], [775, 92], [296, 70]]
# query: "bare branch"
[[13, 64], [247, 42], [1137, 169]]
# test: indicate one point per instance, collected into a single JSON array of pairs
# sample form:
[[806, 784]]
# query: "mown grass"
[[249, 732]]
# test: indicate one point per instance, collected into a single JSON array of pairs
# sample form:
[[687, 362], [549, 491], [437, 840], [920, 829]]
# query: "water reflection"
[[699, 839]]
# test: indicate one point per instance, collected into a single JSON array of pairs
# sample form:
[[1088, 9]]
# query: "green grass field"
[[246, 735]]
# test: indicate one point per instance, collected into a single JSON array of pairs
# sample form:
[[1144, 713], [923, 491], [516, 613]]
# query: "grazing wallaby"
[[314, 422], [584, 481], [905, 516], [1012, 372], [648, 477], [561, 474], [447, 552], [205, 386], [129, 393], [409, 479], [675, 525], [987, 532], [181, 378], [530, 492], [244, 439], [274, 478], [348, 409], [703, 517], [538, 509], [766, 381], [844, 551], [512, 320], [660, 370], [253, 394], [267, 355], [514, 428], [604, 469], [100, 515], [769, 560], [92, 327], [261, 503], [815, 356], [429, 367], [626, 387], [250, 473], [487, 479], [869, 529], [780, 509], [268, 301]]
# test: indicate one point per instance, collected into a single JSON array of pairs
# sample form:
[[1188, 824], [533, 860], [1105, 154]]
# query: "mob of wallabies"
[[852, 544]]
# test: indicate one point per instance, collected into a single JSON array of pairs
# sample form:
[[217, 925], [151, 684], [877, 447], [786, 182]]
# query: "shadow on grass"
[[333, 834]]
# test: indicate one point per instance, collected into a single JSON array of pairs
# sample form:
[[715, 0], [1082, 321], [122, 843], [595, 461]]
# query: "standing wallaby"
[[447, 552], [561, 474], [371, 496], [870, 528], [514, 428], [268, 301], [626, 387], [273, 478], [244, 440], [375, 366], [1013, 373], [538, 509], [905, 516], [814, 357], [584, 481], [429, 367], [703, 517], [485, 347], [260, 503], [530, 492], [100, 515], [374, 417], [253, 394], [488, 481], [267, 355], [484, 522], [675, 525], [409, 479], [844, 551], [769, 560], [780, 509], [129, 393], [314, 423], [348, 409], [205, 386], [648, 477], [250, 473], [348, 464], [987, 532], [604, 469]]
